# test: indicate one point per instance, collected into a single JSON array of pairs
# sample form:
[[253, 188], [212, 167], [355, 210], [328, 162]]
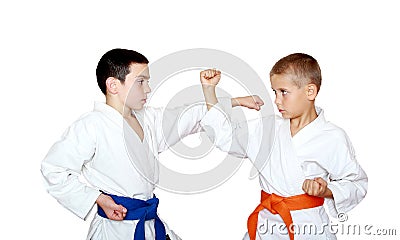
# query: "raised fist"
[[210, 77]]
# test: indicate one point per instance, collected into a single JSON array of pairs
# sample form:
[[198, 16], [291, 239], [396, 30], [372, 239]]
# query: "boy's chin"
[[286, 116], [137, 108]]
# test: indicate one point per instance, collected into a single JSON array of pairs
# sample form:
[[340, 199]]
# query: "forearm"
[[347, 194], [209, 95], [235, 102], [209, 79], [211, 98], [65, 186], [61, 169], [349, 182]]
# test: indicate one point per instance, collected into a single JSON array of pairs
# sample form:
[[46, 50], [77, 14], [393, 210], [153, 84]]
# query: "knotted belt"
[[139, 210], [282, 206]]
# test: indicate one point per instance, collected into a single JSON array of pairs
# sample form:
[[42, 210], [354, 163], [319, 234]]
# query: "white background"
[[49, 51]]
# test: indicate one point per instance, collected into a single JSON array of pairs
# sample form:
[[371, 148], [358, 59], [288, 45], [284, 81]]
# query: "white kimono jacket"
[[320, 149], [111, 157]]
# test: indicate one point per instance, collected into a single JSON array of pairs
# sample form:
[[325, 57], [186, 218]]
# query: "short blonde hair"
[[304, 67]]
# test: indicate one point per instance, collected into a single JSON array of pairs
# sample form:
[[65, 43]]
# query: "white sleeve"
[[62, 166], [348, 181], [240, 139], [172, 125]]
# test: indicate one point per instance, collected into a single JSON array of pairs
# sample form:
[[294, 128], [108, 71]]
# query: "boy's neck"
[[298, 123], [120, 107]]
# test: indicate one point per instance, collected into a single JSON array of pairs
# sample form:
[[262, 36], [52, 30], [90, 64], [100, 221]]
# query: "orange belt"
[[282, 206]]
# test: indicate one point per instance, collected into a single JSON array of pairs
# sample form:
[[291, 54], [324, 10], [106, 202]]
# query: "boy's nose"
[[147, 89], [277, 101]]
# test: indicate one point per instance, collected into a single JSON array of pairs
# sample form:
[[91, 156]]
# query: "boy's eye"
[[281, 92]]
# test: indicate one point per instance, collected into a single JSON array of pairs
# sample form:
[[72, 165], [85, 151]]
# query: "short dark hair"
[[304, 67], [116, 63]]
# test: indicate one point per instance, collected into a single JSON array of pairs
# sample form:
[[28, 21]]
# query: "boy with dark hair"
[[309, 160], [115, 148]]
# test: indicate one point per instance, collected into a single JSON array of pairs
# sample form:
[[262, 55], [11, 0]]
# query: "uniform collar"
[[308, 130], [112, 114], [109, 112]]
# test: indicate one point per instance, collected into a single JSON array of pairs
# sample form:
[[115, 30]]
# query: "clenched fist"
[[210, 77], [317, 187]]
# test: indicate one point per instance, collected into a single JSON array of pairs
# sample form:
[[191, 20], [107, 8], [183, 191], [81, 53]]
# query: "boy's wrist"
[[328, 193], [235, 102], [101, 199], [208, 87]]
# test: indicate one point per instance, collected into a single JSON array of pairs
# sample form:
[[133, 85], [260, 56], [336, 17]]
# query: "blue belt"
[[142, 211]]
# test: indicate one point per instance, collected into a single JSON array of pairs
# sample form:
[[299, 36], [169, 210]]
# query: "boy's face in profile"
[[136, 86], [291, 101]]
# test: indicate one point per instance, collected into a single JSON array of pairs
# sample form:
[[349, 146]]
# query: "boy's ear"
[[111, 84], [311, 91]]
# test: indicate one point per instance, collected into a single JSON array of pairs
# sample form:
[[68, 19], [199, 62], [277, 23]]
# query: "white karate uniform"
[[320, 149], [110, 156]]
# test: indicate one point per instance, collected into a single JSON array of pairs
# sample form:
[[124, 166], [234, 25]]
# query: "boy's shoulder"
[[327, 129], [90, 117], [334, 131], [84, 127], [87, 122], [333, 137]]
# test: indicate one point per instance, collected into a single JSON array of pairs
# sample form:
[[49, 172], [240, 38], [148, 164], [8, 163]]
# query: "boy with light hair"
[[309, 162]]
